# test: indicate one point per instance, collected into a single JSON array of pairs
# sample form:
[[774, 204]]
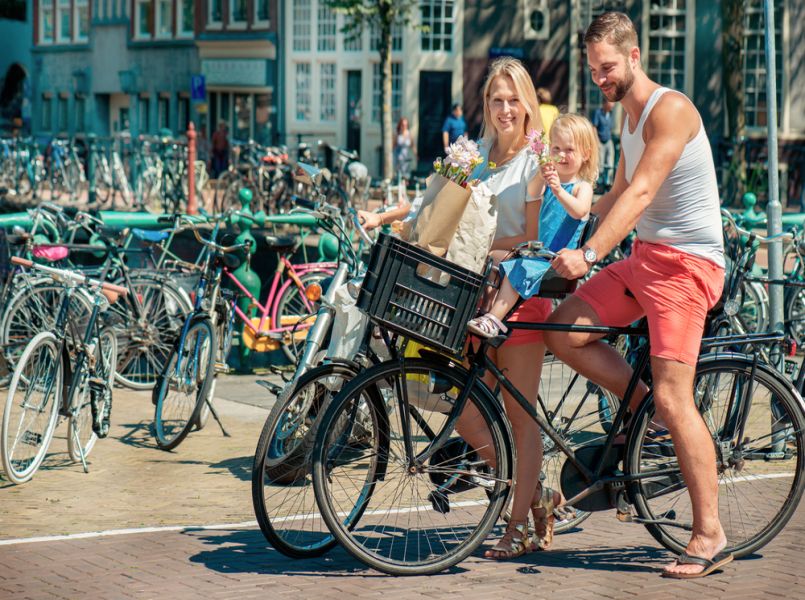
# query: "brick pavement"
[[206, 481]]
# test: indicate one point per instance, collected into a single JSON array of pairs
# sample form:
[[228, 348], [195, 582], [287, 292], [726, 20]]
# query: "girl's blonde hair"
[[585, 139], [514, 69]]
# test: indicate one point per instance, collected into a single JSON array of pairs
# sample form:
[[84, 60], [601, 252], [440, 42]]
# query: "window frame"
[[257, 22], [330, 92], [300, 25], [156, 33], [63, 7], [180, 13], [213, 23], [137, 34], [231, 23], [77, 5], [396, 94], [442, 37], [47, 6], [298, 93]]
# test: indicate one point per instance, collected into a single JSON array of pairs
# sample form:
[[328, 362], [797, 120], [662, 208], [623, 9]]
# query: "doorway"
[[435, 98], [354, 111]]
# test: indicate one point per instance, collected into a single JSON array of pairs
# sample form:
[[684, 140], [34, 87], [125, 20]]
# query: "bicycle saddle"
[[153, 237], [280, 243]]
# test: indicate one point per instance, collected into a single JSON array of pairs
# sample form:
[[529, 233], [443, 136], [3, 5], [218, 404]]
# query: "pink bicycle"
[[292, 302]]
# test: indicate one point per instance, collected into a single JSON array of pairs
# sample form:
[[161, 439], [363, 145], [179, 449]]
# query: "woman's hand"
[[369, 220]]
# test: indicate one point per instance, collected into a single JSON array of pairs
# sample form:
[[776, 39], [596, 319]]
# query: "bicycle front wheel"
[[81, 435], [293, 308], [419, 516], [756, 423], [31, 412], [184, 384], [282, 491]]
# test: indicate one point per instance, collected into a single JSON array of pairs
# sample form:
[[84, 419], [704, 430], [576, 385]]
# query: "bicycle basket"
[[419, 295]]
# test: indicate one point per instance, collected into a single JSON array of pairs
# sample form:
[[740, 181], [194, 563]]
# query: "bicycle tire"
[[482, 491], [81, 436], [753, 471], [143, 345], [33, 308], [20, 469], [291, 308], [175, 417], [282, 493]]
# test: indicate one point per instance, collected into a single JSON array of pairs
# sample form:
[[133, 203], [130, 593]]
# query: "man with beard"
[[665, 186]]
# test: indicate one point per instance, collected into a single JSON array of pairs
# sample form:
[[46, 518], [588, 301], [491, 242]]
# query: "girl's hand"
[[551, 177]]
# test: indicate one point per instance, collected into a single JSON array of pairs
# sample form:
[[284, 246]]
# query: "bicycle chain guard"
[[573, 483]]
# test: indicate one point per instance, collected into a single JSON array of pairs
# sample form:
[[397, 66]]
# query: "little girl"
[[567, 196]]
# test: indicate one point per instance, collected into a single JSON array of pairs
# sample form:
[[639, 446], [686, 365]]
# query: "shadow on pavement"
[[239, 467], [139, 435]]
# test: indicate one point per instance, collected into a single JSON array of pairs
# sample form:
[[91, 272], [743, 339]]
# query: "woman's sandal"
[[487, 326], [513, 544], [543, 524]]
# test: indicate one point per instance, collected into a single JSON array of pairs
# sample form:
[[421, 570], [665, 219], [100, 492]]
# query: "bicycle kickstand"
[[217, 418], [80, 451]]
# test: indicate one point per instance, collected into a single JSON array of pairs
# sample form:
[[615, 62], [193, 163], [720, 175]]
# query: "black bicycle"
[[406, 501]]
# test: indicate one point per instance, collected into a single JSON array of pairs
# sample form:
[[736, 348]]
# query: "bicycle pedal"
[[440, 502], [222, 368], [270, 386], [624, 517]]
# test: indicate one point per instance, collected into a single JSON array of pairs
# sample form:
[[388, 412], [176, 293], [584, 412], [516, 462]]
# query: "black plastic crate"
[[419, 295]]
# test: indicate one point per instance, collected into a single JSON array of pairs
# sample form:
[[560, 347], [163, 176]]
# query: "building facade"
[[112, 65], [331, 82], [16, 23]]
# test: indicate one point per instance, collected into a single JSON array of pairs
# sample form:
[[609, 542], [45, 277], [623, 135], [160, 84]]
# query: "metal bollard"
[[92, 193], [192, 205]]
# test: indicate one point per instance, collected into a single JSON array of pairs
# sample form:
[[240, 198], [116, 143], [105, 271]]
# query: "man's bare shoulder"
[[673, 114]]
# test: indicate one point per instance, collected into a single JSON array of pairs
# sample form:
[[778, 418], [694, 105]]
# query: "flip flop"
[[718, 561]]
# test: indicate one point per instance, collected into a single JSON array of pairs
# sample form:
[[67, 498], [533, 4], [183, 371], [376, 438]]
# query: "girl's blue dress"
[[557, 230]]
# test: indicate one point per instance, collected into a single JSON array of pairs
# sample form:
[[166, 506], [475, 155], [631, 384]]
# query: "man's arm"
[[665, 142]]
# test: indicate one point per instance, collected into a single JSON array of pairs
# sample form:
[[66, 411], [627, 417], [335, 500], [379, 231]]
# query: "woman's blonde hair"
[[585, 139], [514, 69]]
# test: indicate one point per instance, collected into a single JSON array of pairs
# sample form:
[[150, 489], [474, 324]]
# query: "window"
[[262, 119], [186, 20], [145, 113], [61, 123], [243, 117], [164, 19], [63, 20], [215, 13], [396, 91], [261, 13], [142, 19], [47, 114], [238, 13], [163, 112], [80, 114], [326, 28], [666, 43], [46, 25], [327, 80], [354, 44], [396, 38], [183, 113], [437, 17], [81, 20], [303, 91], [302, 16], [754, 58]]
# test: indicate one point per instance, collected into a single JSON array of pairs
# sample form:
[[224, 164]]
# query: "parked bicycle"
[[63, 372]]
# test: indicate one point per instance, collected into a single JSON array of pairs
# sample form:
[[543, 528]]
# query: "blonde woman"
[[513, 175]]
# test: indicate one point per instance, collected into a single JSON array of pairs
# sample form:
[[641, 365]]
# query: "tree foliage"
[[380, 15]]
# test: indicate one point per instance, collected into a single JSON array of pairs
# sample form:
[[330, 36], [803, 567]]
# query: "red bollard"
[[192, 205]]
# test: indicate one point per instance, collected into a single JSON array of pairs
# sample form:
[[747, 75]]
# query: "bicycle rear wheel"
[[184, 384], [294, 308], [81, 435], [31, 410], [418, 519], [282, 491], [757, 428]]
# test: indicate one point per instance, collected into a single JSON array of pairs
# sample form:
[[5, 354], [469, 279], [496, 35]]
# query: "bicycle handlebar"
[[65, 275], [785, 236]]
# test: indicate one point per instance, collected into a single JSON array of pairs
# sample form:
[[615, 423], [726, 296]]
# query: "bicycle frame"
[[278, 286]]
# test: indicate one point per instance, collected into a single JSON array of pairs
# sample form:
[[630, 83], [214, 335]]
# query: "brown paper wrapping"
[[442, 207]]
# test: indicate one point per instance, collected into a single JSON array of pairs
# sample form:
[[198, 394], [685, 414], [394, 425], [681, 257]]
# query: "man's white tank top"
[[685, 213]]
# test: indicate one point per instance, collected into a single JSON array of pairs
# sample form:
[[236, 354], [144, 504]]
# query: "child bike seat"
[[554, 286]]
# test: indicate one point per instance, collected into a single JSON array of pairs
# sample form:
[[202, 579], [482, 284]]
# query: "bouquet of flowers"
[[462, 158], [539, 144], [445, 198]]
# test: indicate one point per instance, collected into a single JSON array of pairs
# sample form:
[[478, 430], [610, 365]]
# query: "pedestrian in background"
[[547, 110], [454, 126], [602, 121], [220, 150], [403, 151]]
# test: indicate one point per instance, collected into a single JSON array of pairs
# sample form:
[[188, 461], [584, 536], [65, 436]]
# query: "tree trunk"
[[732, 34], [386, 129]]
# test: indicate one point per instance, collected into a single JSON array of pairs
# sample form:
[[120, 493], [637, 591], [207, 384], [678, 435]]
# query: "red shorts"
[[674, 289], [533, 310]]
